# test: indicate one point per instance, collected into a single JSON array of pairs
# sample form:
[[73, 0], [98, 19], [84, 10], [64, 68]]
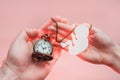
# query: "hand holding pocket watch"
[[43, 48], [19, 60]]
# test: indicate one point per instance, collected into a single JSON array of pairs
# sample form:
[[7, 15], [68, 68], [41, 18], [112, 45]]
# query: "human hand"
[[101, 49], [19, 61]]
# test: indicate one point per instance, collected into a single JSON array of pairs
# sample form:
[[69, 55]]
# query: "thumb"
[[28, 35], [32, 33]]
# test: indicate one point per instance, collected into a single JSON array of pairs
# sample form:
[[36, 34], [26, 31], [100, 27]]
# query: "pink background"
[[15, 15]]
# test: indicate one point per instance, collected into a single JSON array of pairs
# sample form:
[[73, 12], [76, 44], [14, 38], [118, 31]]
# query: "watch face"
[[43, 46]]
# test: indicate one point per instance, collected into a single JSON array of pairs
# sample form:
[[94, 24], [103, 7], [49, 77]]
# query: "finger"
[[28, 34], [92, 42], [50, 22], [65, 27], [92, 29], [58, 42], [60, 19], [61, 32], [31, 33], [59, 38]]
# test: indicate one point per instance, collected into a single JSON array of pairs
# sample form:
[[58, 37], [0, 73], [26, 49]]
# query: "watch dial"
[[43, 46]]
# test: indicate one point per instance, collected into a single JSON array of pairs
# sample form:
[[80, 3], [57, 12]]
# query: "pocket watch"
[[43, 49]]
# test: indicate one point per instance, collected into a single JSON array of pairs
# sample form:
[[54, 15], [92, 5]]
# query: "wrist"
[[7, 74], [115, 61]]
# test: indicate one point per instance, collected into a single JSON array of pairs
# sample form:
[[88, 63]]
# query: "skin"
[[101, 49], [19, 64]]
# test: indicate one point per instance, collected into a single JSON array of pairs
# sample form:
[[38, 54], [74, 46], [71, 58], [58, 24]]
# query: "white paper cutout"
[[79, 40]]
